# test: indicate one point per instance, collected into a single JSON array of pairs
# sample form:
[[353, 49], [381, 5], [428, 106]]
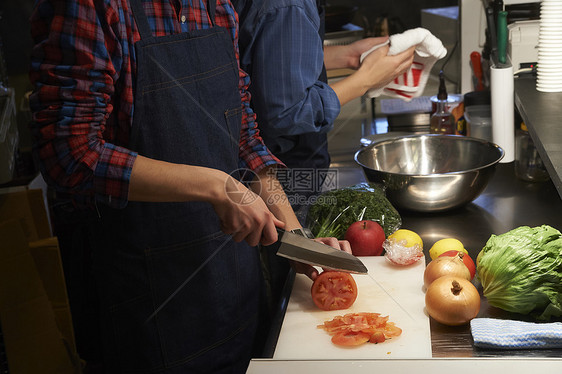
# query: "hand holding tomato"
[[311, 271]]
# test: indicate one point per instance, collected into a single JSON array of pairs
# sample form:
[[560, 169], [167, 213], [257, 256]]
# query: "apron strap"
[[141, 19], [211, 9]]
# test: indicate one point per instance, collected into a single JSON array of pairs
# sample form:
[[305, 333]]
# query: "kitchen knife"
[[502, 37], [476, 62], [301, 249]]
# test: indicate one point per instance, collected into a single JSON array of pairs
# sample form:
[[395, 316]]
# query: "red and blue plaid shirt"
[[83, 67]]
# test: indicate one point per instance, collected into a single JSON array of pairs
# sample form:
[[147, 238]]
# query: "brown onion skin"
[[443, 266], [452, 308]]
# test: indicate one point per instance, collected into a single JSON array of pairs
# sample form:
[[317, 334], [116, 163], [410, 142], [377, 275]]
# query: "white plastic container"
[[479, 119]]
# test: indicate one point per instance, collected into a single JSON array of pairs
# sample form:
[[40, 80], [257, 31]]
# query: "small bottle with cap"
[[528, 164], [442, 121]]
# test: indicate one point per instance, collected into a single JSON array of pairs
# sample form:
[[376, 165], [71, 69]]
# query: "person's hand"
[[310, 271], [245, 216], [378, 68], [348, 56], [357, 48]]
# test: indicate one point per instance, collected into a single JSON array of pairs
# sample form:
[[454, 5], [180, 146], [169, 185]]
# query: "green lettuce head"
[[521, 271]]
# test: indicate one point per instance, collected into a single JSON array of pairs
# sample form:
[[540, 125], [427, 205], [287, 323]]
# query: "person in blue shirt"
[[281, 48]]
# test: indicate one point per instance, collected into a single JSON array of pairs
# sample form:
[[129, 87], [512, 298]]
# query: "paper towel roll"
[[503, 127]]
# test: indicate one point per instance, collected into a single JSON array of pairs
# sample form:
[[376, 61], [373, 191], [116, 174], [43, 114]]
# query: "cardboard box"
[[47, 260], [28, 207], [33, 340]]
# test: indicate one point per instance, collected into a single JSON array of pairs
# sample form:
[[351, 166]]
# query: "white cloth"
[[411, 84], [508, 334]]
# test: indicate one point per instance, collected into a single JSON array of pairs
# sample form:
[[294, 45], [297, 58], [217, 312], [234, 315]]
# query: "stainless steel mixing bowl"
[[430, 173]]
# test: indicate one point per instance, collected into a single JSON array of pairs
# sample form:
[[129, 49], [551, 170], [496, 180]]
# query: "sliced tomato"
[[334, 290], [357, 328], [350, 338], [377, 337], [391, 330]]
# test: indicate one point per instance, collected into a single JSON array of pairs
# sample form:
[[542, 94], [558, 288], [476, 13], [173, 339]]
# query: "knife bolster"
[[303, 232]]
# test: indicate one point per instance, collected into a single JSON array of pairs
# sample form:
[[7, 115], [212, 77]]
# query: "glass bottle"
[[442, 121], [528, 164]]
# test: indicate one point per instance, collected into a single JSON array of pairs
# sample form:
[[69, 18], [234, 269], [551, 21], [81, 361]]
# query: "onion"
[[442, 266], [452, 300]]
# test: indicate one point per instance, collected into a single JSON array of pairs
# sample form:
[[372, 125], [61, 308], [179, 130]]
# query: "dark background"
[[16, 42], [401, 14], [14, 22]]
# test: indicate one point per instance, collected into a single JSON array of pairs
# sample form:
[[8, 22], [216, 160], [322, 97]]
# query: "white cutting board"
[[396, 291]]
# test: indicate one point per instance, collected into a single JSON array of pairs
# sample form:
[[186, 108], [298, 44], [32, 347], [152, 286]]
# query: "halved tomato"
[[334, 290]]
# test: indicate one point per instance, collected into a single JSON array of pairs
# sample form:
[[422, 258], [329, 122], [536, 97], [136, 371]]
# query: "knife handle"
[[476, 61], [502, 36]]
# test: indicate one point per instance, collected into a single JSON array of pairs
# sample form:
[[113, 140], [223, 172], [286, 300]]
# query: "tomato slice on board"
[[377, 337], [350, 338], [391, 330], [334, 290], [355, 329]]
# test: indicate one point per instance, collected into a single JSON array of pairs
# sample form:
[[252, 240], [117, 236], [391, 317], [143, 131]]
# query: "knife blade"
[[301, 249]]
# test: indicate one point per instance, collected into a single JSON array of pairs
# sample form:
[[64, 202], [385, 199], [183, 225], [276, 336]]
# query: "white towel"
[[411, 84], [508, 334]]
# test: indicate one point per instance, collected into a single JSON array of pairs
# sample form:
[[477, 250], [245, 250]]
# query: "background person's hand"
[[356, 49], [348, 56], [378, 68]]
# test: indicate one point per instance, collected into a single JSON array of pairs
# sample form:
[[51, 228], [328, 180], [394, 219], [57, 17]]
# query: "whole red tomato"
[[465, 258], [366, 238]]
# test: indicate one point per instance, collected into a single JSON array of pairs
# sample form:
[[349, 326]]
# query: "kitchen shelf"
[[542, 113]]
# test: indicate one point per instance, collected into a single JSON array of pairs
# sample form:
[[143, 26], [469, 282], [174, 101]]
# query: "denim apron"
[[177, 295]]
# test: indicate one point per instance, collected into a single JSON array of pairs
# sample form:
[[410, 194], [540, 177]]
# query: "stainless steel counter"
[[505, 204]]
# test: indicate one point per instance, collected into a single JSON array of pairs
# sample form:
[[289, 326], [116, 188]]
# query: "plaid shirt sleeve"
[[75, 64], [83, 66]]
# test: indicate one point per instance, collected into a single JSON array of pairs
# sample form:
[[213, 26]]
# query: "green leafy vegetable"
[[521, 271], [334, 211]]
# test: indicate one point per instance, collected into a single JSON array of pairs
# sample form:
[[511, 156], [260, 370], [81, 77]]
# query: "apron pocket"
[[207, 291], [233, 119]]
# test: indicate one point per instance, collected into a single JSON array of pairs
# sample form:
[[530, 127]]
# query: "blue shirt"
[[281, 50]]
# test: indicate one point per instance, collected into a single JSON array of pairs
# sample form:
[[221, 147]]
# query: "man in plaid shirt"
[[141, 119]]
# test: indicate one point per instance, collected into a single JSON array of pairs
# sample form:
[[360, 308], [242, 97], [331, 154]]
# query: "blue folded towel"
[[508, 334]]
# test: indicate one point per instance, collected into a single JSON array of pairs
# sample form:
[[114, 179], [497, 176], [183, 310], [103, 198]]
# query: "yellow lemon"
[[409, 236], [444, 245]]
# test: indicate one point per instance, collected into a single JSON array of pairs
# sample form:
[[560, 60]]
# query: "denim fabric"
[[177, 295]]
